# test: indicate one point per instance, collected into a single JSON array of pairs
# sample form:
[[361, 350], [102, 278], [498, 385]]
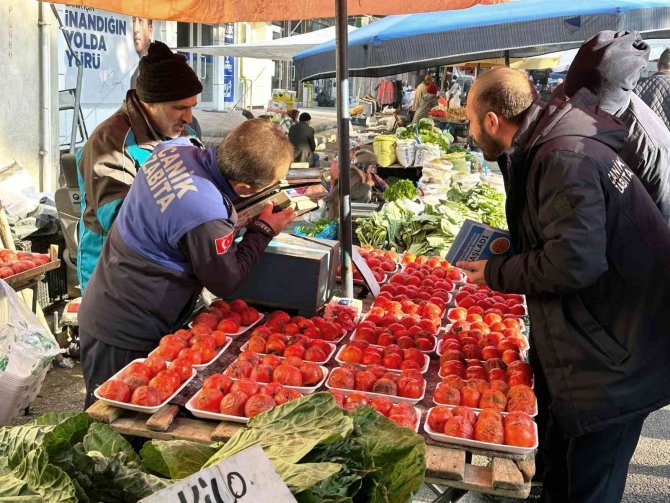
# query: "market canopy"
[[279, 49], [525, 28], [228, 11]]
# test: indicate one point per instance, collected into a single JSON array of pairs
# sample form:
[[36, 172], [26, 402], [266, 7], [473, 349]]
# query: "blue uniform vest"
[[179, 188]]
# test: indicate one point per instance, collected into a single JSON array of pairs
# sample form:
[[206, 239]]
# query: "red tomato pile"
[[379, 261], [195, 346], [312, 350], [489, 425], [315, 327], [409, 331], [225, 317], [391, 357], [244, 398], [147, 383], [377, 379], [479, 394], [13, 262], [290, 371], [491, 330], [403, 414], [482, 300]]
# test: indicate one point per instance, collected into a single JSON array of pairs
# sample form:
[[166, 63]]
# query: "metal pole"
[[342, 79], [507, 59], [46, 179]]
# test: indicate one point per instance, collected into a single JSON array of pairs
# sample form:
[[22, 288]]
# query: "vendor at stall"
[[175, 235], [302, 138], [428, 101], [159, 109]]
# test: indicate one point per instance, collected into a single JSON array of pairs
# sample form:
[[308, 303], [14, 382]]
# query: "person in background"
[[288, 120], [160, 109], [419, 93], [655, 91], [174, 236], [454, 95], [302, 138], [593, 259], [609, 66], [143, 32], [429, 101]]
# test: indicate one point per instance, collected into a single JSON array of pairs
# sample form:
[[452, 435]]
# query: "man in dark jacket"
[[609, 66], [302, 138], [594, 264], [174, 235], [655, 91]]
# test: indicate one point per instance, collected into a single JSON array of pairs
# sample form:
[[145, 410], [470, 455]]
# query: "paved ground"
[[648, 478]]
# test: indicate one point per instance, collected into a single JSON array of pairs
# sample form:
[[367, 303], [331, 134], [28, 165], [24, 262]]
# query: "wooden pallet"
[[444, 465]]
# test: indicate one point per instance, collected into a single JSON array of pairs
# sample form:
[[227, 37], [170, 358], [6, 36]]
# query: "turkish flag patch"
[[223, 244]]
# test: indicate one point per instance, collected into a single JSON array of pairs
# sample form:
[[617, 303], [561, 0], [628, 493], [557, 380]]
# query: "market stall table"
[[507, 475], [31, 278]]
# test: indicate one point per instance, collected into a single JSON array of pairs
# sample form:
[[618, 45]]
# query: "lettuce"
[[176, 459]]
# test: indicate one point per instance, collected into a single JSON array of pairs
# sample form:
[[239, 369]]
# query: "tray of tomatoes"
[[146, 384], [200, 350], [292, 372], [514, 433], [393, 357], [233, 318], [315, 327], [486, 300], [478, 394], [403, 414], [223, 399], [406, 332], [376, 381], [312, 350]]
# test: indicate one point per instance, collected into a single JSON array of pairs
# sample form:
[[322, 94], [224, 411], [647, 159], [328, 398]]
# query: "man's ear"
[[491, 123], [243, 189]]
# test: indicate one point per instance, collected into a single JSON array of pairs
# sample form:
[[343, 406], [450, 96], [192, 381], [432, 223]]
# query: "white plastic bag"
[[26, 353], [426, 152], [406, 152]]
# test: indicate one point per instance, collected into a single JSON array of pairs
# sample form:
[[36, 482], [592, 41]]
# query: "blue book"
[[477, 241]]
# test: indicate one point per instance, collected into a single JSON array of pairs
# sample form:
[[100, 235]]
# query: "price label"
[[246, 477]]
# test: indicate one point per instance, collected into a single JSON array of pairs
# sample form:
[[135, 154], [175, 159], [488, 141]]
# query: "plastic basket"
[[18, 393], [328, 232]]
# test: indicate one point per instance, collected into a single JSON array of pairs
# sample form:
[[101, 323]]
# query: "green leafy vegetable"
[[401, 189], [176, 459], [485, 202], [316, 227]]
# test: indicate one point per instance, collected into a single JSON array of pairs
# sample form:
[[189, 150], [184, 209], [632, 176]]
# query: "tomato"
[[165, 386], [246, 386], [447, 395], [415, 355], [338, 396], [382, 405], [311, 373], [172, 340], [438, 417], [138, 368], [342, 378], [287, 375], [355, 400], [256, 344], [392, 361], [219, 382], [409, 387], [364, 381], [497, 374], [155, 363], [403, 421], [459, 426], [239, 369], [490, 352], [470, 397], [146, 396], [191, 355], [257, 404], [476, 372], [249, 316], [520, 435], [518, 418], [295, 350], [209, 399], [272, 388], [207, 319], [493, 399], [275, 347], [115, 389], [385, 386], [206, 340], [233, 403], [273, 360], [221, 305], [228, 326], [238, 305], [286, 395], [489, 428], [372, 359], [516, 378], [520, 366], [182, 367], [453, 368], [316, 354], [134, 380], [262, 373]]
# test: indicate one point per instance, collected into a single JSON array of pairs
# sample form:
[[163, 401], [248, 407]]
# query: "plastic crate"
[[55, 283]]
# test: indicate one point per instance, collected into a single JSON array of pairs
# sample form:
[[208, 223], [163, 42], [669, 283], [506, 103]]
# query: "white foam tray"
[[142, 408], [423, 369], [305, 390], [369, 394], [201, 366]]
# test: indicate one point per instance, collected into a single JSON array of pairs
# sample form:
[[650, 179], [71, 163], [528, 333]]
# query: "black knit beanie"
[[609, 66], [165, 76]]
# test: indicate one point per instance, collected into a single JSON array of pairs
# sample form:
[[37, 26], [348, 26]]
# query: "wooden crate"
[[444, 465]]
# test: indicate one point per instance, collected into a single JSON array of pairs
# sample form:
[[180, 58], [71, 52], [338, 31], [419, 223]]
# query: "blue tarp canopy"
[[525, 28]]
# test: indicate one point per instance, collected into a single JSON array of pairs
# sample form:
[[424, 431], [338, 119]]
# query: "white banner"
[[109, 46]]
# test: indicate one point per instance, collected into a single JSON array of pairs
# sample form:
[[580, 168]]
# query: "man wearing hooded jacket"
[[609, 66], [594, 263]]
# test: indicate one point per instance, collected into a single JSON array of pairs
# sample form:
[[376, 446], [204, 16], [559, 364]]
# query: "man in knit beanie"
[[159, 109]]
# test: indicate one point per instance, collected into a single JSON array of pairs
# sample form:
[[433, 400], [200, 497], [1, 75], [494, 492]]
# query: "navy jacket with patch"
[[594, 263], [172, 237]]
